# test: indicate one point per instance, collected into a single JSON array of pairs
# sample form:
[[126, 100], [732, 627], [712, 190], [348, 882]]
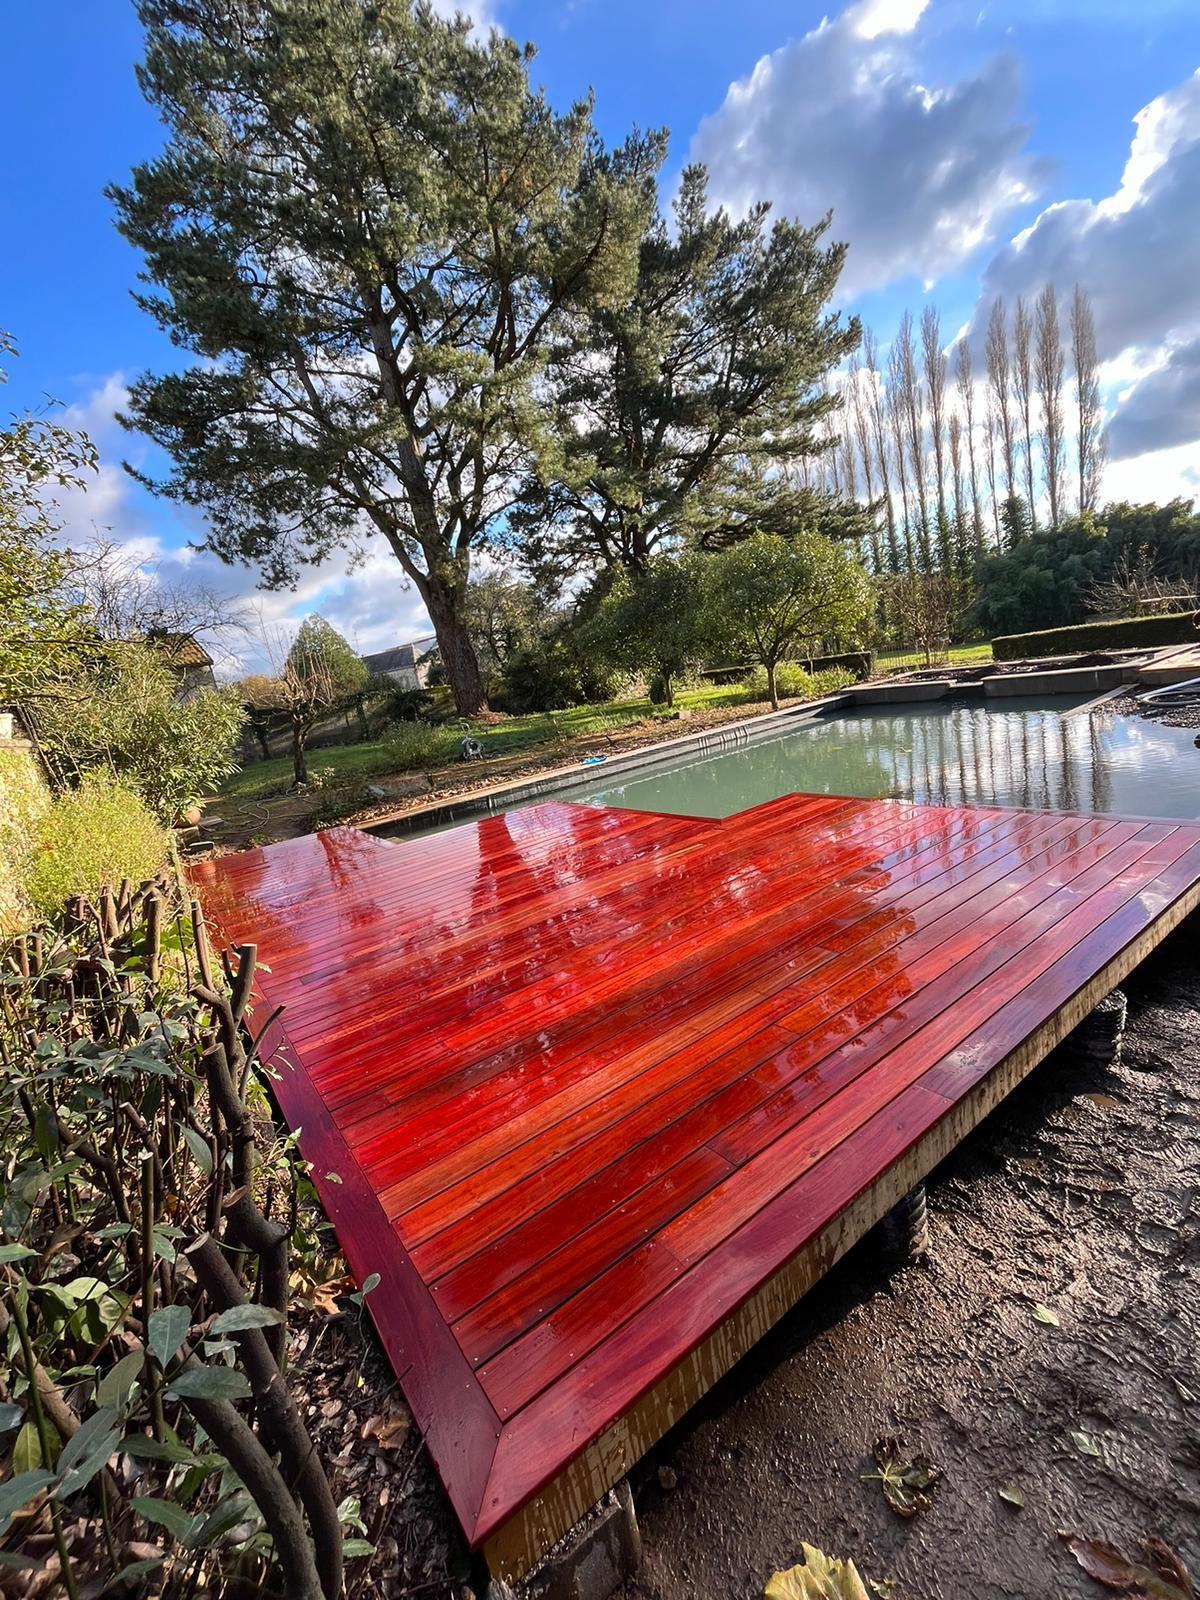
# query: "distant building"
[[190, 662], [407, 665]]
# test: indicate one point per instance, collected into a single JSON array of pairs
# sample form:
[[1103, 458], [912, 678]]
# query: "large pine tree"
[[684, 412], [363, 226]]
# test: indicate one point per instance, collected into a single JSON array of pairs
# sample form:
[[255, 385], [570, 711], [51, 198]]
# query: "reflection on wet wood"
[[600, 1093]]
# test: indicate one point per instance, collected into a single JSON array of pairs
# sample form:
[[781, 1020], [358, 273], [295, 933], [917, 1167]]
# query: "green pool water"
[[974, 753]]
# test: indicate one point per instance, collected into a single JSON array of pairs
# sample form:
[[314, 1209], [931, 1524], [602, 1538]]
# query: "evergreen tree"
[[681, 410], [363, 226]]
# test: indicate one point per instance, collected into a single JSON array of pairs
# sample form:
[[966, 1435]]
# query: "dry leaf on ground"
[[1161, 1576], [903, 1482], [818, 1577]]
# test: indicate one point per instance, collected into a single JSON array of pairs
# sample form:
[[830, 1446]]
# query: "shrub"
[[417, 746], [125, 714], [554, 674], [1126, 633], [794, 683], [24, 801], [96, 834]]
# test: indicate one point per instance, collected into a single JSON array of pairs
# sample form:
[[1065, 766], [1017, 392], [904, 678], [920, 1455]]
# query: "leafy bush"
[[793, 683], [555, 673], [417, 746], [124, 713], [24, 801], [96, 834], [1126, 633]]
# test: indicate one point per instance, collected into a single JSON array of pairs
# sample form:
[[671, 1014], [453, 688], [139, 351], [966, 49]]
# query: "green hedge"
[[1126, 633]]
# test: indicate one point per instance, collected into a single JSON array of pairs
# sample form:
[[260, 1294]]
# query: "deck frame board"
[[604, 1092]]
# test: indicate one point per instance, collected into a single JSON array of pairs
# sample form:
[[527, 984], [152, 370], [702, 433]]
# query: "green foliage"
[[503, 616], [116, 1155], [41, 621], [99, 833], [792, 682], [24, 801], [767, 595], [562, 669], [123, 712], [653, 620], [677, 405], [1125, 633], [364, 223], [1049, 579], [418, 746], [319, 654]]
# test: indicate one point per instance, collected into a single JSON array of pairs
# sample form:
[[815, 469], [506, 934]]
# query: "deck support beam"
[[592, 1560], [906, 1229]]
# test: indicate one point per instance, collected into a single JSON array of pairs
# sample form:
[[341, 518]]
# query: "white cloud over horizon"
[[919, 175]]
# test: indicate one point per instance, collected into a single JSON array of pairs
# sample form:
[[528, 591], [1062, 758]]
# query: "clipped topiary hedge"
[[1126, 633]]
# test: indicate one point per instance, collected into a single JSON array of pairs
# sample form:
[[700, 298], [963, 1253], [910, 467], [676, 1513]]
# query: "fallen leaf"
[[903, 1482], [1012, 1495], [1086, 1445], [389, 1428], [1164, 1578], [818, 1577], [1044, 1314]]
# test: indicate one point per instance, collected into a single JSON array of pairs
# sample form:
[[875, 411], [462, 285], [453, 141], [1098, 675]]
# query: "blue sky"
[[938, 132]]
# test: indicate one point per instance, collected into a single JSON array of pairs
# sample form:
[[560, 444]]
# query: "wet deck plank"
[[606, 1090]]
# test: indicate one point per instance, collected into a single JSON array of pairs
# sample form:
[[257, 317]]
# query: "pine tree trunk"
[[459, 661]]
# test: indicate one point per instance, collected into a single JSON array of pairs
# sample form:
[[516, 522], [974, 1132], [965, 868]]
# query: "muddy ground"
[[1081, 1194]]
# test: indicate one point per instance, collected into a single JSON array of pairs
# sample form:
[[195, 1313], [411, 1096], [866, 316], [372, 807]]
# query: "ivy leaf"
[[1044, 1314], [10, 1417], [240, 1318], [1085, 1444], [15, 1252], [210, 1383], [357, 1547], [168, 1328], [1012, 1496]]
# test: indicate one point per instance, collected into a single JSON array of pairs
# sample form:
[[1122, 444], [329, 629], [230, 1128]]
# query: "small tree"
[[931, 605], [655, 621], [319, 673], [41, 622], [768, 594]]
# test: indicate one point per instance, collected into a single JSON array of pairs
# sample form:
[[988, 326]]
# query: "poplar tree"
[[1023, 381], [999, 378], [1089, 413], [1048, 374], [362, 229]]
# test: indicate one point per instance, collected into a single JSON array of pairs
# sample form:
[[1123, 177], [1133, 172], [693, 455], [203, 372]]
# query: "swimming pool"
[[948, 753]]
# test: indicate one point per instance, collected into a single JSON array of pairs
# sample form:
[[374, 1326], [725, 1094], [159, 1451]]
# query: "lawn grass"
[[977, 654], [351, 763]]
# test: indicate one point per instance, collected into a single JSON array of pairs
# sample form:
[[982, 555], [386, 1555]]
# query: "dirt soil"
[[286, 816], [1081, 1194]]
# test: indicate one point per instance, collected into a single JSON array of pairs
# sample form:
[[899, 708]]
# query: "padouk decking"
[[607, 1091]]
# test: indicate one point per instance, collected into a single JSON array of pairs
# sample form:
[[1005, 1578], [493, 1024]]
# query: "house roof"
[[401, 655], [180, 650]]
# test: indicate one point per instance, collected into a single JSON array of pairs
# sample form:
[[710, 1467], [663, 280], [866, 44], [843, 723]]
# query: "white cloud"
[[918, 174], [1137, 253], [370, 604]]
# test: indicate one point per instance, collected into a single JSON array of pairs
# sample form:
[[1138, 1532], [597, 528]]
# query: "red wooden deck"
[[606, 1091]]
